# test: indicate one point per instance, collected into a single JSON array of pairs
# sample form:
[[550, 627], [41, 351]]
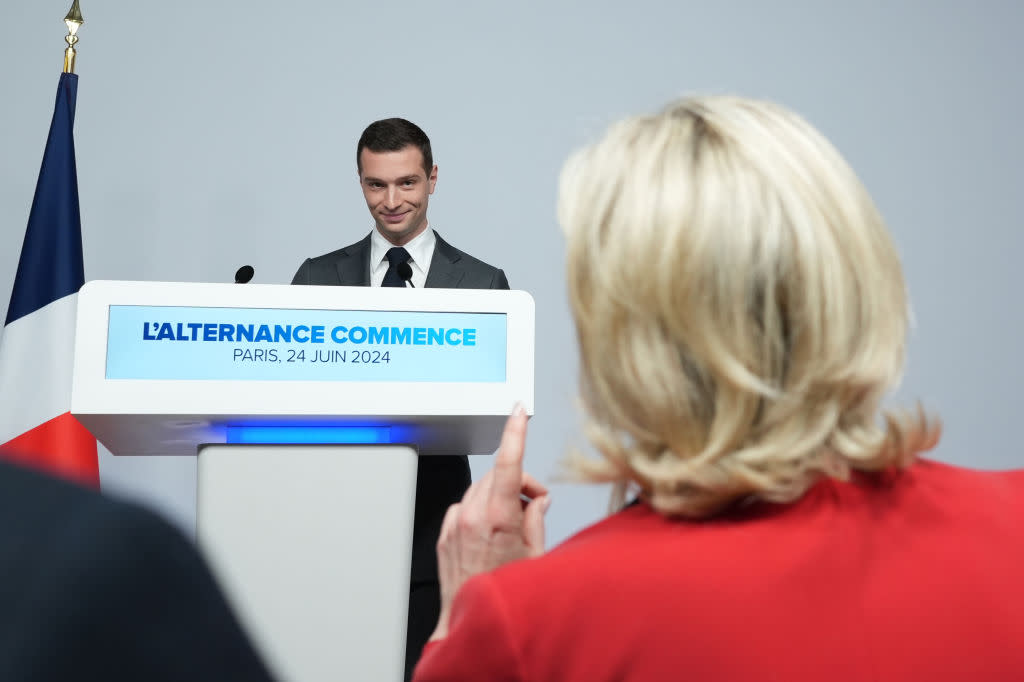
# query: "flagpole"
[[74, 21]]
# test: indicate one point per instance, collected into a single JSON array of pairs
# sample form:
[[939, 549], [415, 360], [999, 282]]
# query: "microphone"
[[405, 272], [244, 274]]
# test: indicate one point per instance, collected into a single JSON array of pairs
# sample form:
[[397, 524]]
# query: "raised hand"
[[500, 519]]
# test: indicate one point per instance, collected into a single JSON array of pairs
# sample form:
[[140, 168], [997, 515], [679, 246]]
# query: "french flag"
[[37, 345]]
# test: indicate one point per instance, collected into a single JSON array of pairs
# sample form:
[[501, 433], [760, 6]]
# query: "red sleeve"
[[479, 645]]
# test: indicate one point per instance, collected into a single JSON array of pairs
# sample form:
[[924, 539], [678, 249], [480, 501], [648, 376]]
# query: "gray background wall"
[[212, 134]]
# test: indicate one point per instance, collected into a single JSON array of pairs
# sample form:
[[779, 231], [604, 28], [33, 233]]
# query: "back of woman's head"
[[740, 307]]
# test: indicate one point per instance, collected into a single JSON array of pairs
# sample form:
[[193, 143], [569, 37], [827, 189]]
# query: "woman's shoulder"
[[595, 549], [612, 547], [993, 490], [933, 476]]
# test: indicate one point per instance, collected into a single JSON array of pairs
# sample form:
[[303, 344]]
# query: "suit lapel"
[[444, 272], [354, 265]]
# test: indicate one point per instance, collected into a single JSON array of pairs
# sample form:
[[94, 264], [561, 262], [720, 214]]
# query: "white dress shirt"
[[421, 250]]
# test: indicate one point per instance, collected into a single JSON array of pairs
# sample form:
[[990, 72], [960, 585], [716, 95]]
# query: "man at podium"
[[397, 175]]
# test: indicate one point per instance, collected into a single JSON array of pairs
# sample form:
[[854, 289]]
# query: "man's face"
[[397, 191]]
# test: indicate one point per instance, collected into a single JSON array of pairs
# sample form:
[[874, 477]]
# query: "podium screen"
[[269, 344]]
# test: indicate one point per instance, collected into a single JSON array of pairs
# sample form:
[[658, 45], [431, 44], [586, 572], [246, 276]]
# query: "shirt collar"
[[420, 249]]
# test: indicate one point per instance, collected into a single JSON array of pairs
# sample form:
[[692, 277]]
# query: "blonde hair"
[[740, 308]]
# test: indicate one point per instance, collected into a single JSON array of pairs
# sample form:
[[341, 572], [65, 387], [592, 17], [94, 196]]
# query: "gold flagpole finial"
[[73, 21]]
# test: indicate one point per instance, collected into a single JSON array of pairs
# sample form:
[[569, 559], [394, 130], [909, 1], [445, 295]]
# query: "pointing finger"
[[508, 465]]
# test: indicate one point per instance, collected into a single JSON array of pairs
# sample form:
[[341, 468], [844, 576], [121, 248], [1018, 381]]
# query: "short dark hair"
[[392, 135]]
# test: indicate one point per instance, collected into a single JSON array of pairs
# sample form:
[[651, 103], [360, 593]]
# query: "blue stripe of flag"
[[51, 264]]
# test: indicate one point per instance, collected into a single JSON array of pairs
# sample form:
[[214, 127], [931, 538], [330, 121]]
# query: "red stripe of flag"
[[60, 446]]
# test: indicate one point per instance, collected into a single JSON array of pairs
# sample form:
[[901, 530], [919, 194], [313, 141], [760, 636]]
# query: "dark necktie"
[[396, 256]]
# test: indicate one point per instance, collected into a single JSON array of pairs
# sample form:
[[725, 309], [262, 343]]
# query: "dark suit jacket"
[[440, 481], [93, 589]]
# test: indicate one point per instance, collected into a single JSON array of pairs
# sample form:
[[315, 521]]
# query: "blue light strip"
[[307, 435]]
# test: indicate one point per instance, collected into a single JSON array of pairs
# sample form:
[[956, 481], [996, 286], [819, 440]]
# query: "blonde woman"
[[741, 312]]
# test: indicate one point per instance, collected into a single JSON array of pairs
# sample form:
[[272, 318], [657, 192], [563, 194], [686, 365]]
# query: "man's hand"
[[493, 524]]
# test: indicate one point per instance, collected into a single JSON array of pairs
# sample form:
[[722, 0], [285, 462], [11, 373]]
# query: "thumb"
[[533, 525]]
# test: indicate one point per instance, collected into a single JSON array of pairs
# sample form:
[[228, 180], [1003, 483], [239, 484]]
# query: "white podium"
[[308, 407]]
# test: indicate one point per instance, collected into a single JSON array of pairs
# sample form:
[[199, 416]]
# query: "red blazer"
[[912, 576]]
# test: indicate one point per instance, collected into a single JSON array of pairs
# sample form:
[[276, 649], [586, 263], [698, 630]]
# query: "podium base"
[[312, 544]]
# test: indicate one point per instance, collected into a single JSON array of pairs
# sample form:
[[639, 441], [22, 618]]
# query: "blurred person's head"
[[740, 308]]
